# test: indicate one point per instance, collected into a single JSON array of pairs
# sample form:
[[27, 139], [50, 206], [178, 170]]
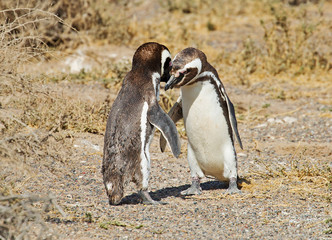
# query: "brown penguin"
[[131, 123]]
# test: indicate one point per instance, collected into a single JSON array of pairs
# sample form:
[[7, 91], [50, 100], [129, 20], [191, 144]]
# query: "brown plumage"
[[131, 121]]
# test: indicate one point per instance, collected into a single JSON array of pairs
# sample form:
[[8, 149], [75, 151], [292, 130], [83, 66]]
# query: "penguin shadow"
[[163, 193], [215, 184]]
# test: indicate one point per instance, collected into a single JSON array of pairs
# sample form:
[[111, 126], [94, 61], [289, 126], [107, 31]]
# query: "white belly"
[[207, 131]]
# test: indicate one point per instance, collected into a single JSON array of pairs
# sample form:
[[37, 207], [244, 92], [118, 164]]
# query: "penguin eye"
[[187, 71], [183, 72]]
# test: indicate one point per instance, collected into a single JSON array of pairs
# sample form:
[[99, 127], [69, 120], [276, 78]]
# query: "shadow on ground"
[[175, 191]]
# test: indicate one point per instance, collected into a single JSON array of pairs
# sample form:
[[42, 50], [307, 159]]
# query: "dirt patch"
[[311, 150], [277, 200]]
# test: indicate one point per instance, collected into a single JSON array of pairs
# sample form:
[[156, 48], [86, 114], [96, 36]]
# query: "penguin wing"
[[232, 117], [158, 118], [175, 114]]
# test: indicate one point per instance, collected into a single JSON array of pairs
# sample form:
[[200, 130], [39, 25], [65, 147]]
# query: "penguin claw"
[[191, 191], [232, 187], [194, 189], [147, 200]]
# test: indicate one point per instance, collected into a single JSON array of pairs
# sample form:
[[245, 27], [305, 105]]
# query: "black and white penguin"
[[131, 123], [209, 119]]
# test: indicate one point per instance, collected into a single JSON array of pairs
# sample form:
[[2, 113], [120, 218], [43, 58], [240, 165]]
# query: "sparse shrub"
[[183, 6], [211, 26], [62, 22], [249, 55], [20, 219], [115, 74], [299, 44], [58, 113], [35, 23]]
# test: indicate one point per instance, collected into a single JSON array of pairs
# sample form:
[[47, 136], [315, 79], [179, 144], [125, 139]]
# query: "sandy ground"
[[281, 137]]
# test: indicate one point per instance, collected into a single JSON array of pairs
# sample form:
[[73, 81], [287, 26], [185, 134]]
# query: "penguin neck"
[[148, 74], [206, 74], [149, 83], [146, 68]]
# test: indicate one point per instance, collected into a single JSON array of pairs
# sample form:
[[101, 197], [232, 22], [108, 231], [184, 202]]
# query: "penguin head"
[[114, 189], [187, 65], [154, 57]]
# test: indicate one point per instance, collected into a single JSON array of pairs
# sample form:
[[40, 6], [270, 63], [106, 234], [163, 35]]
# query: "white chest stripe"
[[145, 162], [155, 82], [215, 79]]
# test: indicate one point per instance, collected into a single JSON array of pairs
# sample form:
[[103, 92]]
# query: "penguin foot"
[[148, 200], [194, 189], [232, 188]]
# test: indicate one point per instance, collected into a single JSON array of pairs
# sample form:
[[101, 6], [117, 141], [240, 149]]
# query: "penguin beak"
[[172, 81], [165, 77]]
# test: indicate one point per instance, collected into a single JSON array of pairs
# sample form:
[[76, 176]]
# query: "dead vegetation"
[[39, 114], [21, 217]]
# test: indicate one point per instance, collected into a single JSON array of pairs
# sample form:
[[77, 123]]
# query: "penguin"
[[131, 123], [209, 120]]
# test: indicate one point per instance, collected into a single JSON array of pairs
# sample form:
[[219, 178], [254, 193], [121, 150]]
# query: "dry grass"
[[294, 38], [21, 217], [23, 141], [279, 39], [303, 177], [39, 22], [60, 111]]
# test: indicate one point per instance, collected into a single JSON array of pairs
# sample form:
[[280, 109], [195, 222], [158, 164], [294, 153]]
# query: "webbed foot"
[[148, 200], [194, 189], [232, 188]]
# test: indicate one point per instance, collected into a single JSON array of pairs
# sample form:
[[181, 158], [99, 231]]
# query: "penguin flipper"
[[175, 114], [158, 118], [232, 117]]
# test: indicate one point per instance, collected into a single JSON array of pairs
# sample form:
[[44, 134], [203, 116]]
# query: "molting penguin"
[[131, 123], [209, 120]]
